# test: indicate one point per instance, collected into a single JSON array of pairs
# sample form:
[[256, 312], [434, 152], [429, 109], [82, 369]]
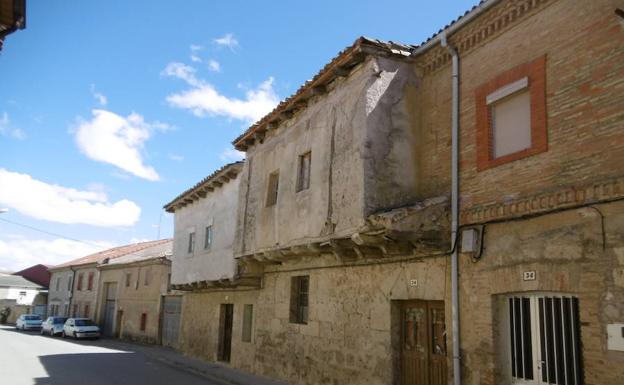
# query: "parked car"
[[80, 328], [28, 322], [53, 325]]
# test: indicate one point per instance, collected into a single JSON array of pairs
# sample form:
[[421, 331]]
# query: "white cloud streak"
[[228, 40], [203, 98], [19, 253], [99, 97], [231, 155], [6, 129], [214, 66], [60, 204], [113, 139]]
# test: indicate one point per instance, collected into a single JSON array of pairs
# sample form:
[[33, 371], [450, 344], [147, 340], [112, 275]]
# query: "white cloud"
[[19, 253], [194, 53], [231, 155], [203, 99], [61, 204], [7, 130], [228, 40], [101, 99], [176, 157], [119, 141], [196, 59], [214, 66]]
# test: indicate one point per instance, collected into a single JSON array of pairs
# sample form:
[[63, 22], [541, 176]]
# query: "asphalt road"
[[26, 358]]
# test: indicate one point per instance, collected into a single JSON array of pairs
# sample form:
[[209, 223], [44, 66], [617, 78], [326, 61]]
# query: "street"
[[29, 358]]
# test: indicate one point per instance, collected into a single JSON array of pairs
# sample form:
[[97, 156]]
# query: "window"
[[128, 279], [511, 115], [208, 237], [22, 294], [148, 277], [303, 174], [272, 189], [143, 321], [544, 339], [299, 299], [168, 281], [86, 311], [247, 322], [69, 283], [58, 283], [191, 242], [80, 278], [90, 281]]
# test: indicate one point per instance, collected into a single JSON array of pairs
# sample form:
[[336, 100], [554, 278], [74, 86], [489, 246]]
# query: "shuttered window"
[[545, 339]]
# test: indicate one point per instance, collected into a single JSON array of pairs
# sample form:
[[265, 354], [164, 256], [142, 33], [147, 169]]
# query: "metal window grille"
[[299, 299], [545, 339]]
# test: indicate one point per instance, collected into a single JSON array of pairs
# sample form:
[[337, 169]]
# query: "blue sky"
[[109, 109]]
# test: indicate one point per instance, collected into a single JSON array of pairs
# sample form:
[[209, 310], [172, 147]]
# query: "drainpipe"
[[71, 291], [454, 208]]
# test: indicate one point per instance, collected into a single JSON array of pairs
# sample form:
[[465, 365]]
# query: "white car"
[[80, 328], [53, 325], [28, 322]]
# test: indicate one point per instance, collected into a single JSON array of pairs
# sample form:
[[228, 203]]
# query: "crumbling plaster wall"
[[361, 138], [218, 209]]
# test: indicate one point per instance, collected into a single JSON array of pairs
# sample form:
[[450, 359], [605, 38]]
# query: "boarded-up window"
[[511, 124], [80, 277], [272, 189], [299, 287], [90, 281], [208, 237], [128, 279], [303, 174], [191, 242], [247, 322], [143, 321]]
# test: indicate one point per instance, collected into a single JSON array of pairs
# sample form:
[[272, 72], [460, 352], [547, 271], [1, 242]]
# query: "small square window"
[[191, 242], [511, 115], [299, 290], [303, 173], [208, 238], [272, 189]]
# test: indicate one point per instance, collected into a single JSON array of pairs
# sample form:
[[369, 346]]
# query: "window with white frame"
[[544, 339], [208, 237]]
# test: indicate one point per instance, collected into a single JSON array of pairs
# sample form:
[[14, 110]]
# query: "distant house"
[[21, 296], [73, 285], [38, 274], [132, 288]]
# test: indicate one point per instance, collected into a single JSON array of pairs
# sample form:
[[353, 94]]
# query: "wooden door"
[[171, 310], [225, 332], [423, 343]]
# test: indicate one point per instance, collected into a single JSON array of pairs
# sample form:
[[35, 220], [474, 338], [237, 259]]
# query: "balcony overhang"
[[221, 284], [421, 229]]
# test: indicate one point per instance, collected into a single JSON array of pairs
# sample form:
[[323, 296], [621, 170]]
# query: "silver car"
[[28, 322], [80, 328], [53, 326]]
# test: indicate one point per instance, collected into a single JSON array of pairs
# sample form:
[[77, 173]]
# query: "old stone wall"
[[350, 332], [84, 296]]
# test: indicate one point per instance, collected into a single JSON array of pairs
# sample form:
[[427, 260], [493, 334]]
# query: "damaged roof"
[[208, 184], [339, 66]]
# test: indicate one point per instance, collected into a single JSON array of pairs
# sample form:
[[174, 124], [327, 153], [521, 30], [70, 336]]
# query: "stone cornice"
[[486, 27], [562, 198]]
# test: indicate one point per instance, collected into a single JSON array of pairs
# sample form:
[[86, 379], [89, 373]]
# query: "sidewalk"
[[215, 372]]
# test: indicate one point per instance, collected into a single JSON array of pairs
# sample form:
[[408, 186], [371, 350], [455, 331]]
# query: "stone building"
[[347, 204], [73, 288], [130, 292], [204, 265]]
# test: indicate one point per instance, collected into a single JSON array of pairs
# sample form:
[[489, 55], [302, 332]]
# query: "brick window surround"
[[535, 71]]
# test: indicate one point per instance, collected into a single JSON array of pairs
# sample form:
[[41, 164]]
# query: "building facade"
[[345, 211], [131, 289]]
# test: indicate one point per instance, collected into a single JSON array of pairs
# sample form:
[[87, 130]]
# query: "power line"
[[50, 233]]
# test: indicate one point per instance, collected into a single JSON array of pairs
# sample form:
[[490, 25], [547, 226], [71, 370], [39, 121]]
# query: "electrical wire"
[[49, 233]]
